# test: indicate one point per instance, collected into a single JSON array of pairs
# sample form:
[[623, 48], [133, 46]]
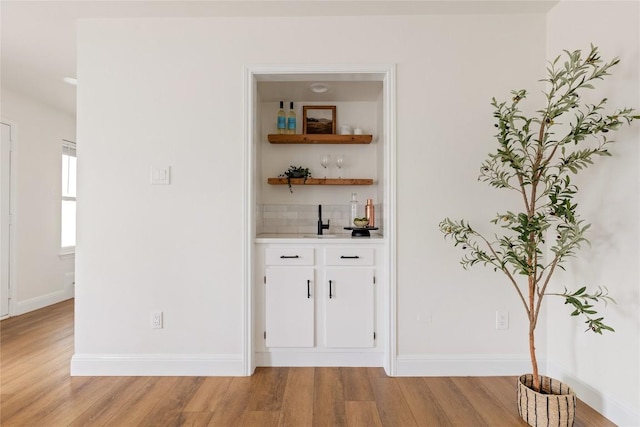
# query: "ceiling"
[[337, 91], [37, 38]]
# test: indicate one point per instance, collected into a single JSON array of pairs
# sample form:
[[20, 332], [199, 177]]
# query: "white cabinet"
[[349, 307], [289, 297], [289, 307], [317, 305]]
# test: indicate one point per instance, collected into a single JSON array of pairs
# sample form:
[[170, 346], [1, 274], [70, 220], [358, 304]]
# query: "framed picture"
[[319, 119]]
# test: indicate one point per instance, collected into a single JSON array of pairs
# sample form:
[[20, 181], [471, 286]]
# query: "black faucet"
[[321, 226]]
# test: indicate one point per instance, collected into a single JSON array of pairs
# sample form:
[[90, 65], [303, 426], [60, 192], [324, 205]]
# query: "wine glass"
[[339, 163], [325, 162]]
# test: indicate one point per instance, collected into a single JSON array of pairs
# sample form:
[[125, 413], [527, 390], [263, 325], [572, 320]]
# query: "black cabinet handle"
[[289, 256], [308, 289], [330, 289], [349, 257]]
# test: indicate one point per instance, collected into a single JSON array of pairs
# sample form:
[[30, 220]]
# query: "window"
[[68, 213]]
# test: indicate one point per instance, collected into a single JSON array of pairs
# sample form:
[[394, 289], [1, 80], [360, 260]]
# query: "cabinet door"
[[289, 297], [349, 307]]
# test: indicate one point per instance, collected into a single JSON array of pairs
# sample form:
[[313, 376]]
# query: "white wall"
[[605, 369], [42, 277], [169, 92]]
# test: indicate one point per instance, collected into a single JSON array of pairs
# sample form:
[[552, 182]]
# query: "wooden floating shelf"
[[319, 139], [320, 181]]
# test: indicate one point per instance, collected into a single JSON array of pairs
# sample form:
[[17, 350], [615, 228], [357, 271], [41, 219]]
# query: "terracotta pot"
[[554, 406]]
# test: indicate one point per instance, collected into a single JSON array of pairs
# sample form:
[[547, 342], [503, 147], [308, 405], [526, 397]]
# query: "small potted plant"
[[536, 156], [295, 172]]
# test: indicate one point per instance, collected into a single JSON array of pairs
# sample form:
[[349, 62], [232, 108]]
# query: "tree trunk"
[[534, 361]]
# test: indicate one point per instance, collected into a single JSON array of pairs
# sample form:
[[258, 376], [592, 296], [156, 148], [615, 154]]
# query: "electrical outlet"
[[156, 320], [161, 175], [502, 320]]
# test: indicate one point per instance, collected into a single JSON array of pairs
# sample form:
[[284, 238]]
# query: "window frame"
[[68, 149]]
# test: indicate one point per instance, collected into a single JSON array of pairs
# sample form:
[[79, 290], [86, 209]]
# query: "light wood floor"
[[36, 390]]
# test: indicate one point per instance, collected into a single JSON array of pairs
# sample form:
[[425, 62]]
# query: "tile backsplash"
[[302, 219]]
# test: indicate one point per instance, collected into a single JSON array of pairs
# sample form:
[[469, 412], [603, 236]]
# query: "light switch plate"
[[160, 175]]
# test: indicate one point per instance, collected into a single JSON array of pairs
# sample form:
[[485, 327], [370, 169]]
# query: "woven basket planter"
[[555, 406]]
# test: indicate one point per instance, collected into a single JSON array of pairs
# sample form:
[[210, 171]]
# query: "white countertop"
[[312, 238]]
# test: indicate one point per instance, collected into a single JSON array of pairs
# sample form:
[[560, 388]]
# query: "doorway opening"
[[6, 232]]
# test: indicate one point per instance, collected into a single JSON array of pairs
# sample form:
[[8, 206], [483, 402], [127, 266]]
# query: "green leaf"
[[580, 291]]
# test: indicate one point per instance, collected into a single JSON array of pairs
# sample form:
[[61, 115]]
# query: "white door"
[[349, 307], [5, 197], [290, 307]]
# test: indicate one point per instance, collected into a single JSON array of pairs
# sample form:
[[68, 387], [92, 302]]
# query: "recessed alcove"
[[364, 97]]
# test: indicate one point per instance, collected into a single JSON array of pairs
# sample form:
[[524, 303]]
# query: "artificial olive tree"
[[536, 157]]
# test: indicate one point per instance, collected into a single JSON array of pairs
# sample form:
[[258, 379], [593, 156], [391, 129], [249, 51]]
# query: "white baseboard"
[[607, 405], [185, 365], [453, 365], [22, 307], [321, 359]]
